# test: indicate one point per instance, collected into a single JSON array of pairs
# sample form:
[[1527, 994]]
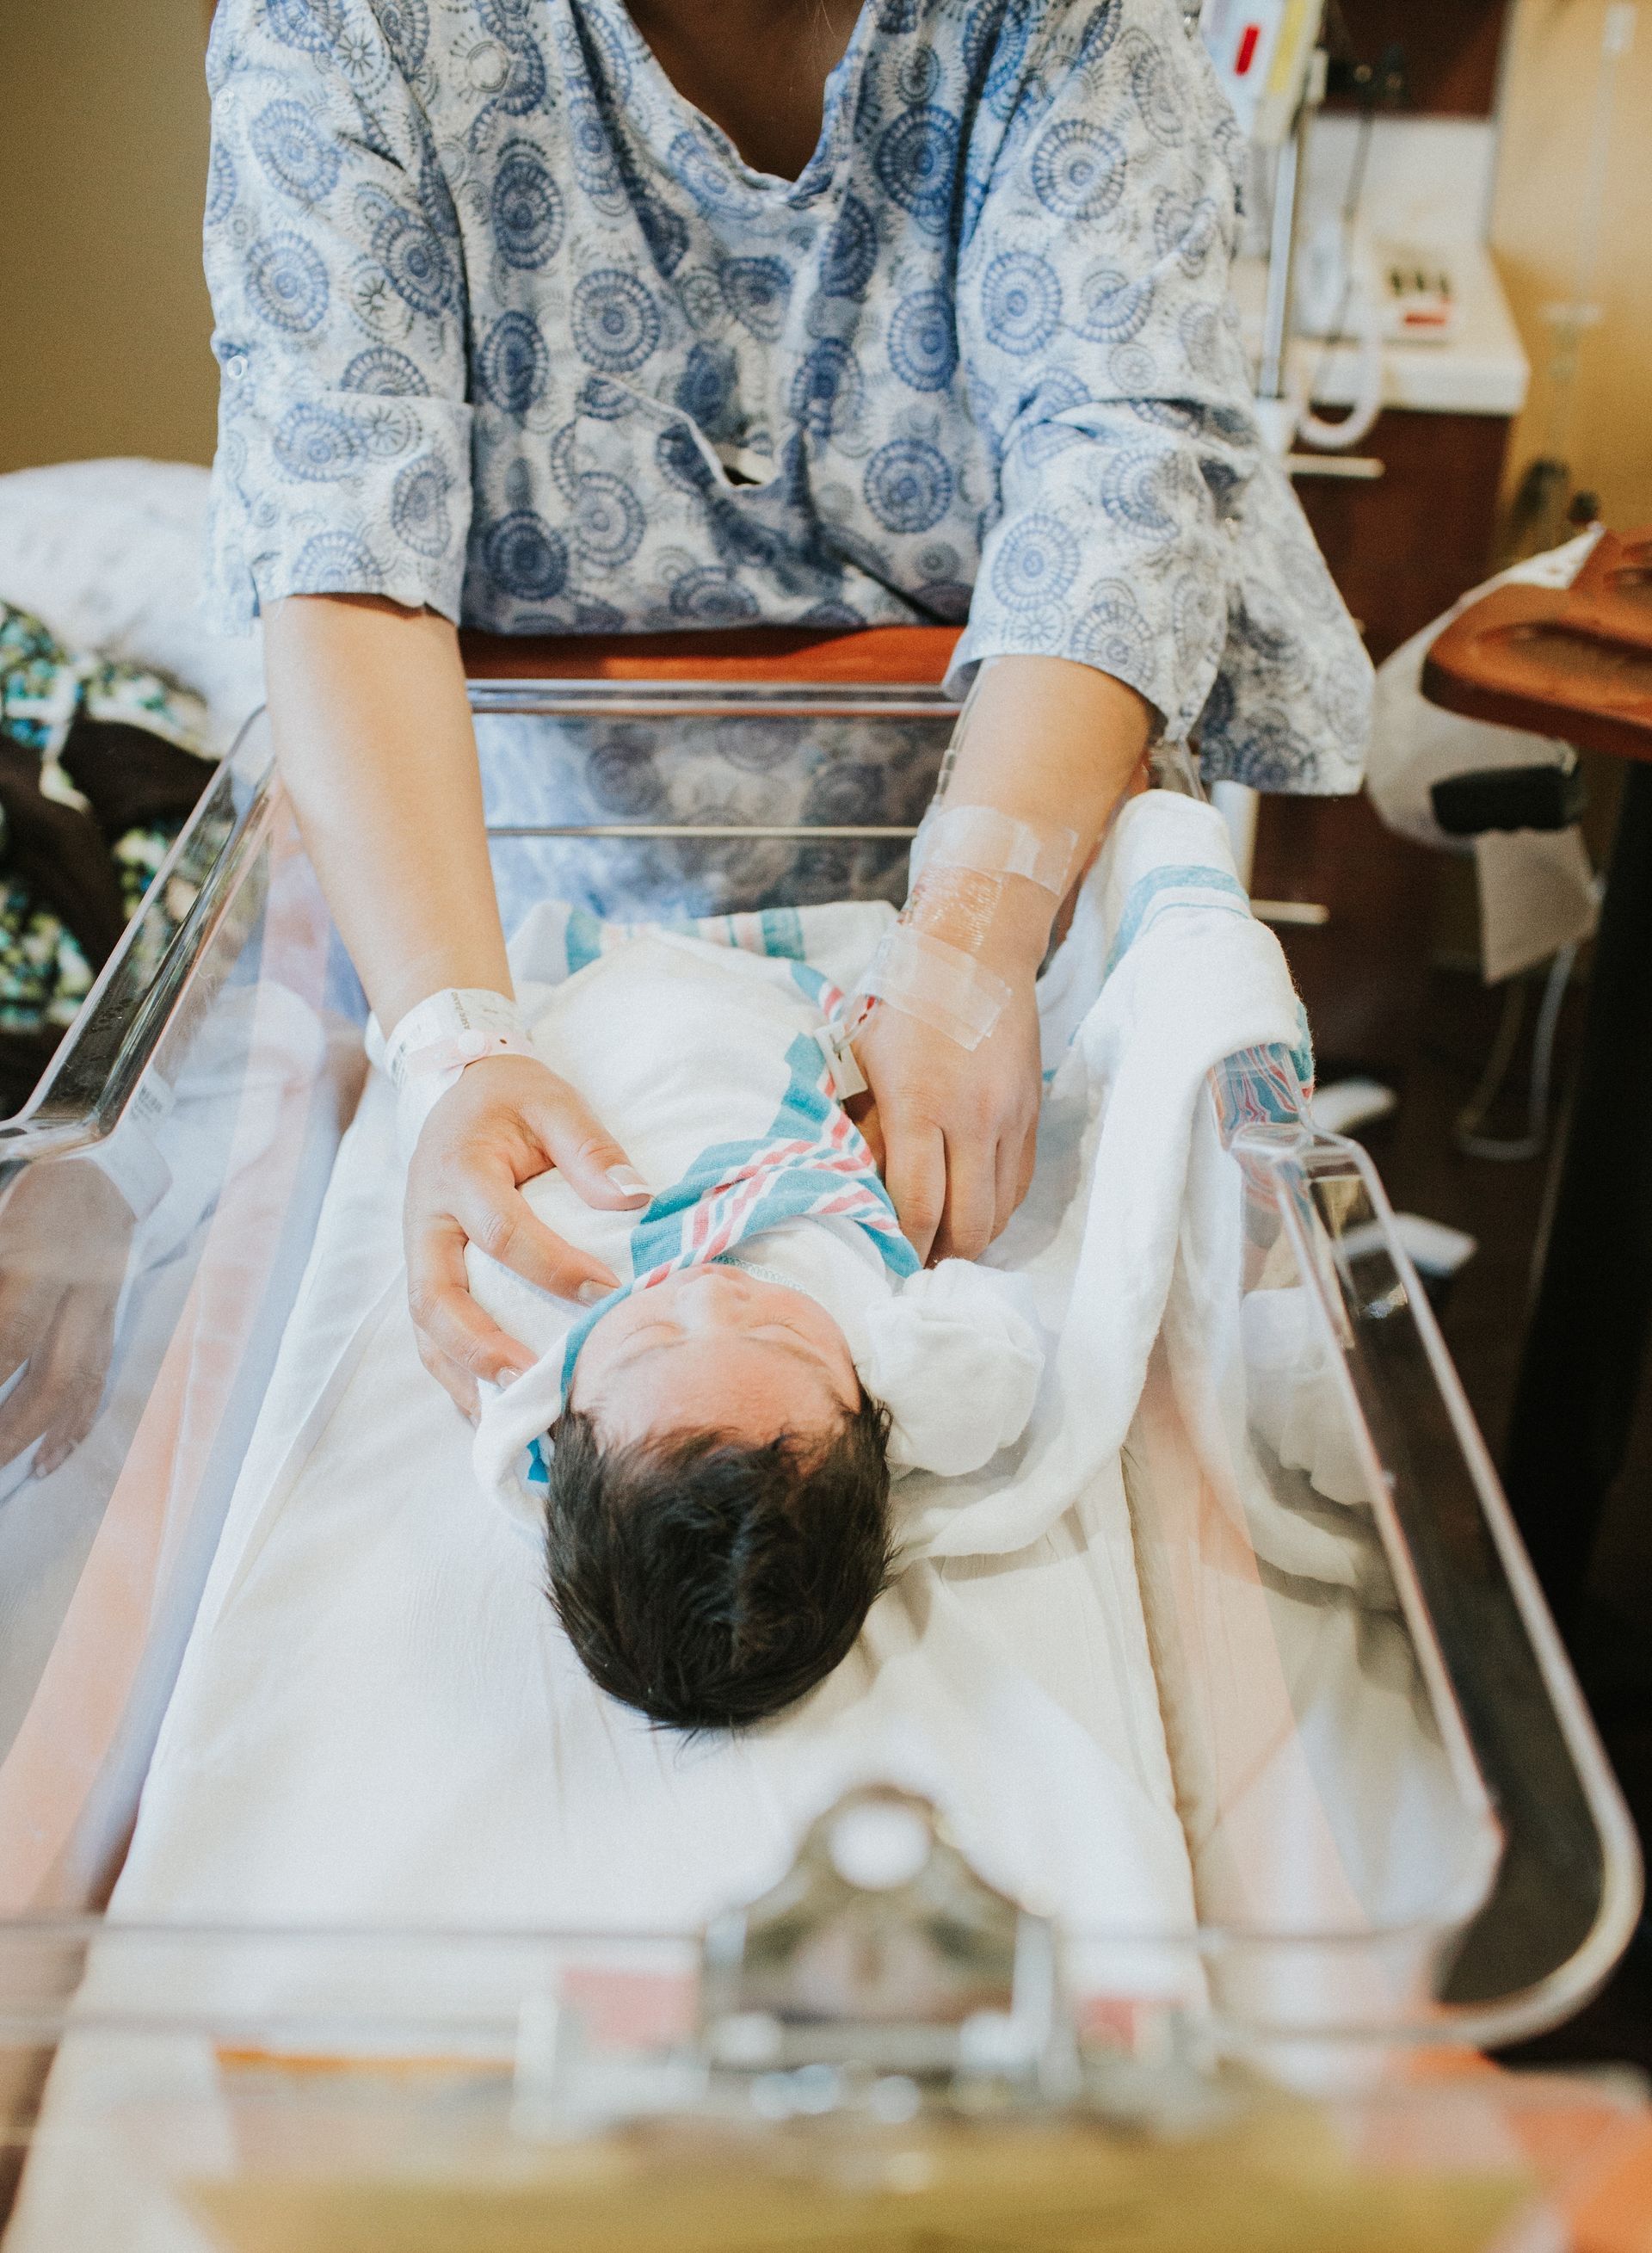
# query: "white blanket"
[[700, 1057], [378, 1720], [377, 1717], [1131, 1193], [109, 554]]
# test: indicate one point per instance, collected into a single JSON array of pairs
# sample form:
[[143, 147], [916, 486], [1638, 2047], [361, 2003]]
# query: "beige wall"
[[103, 334], [1548, 120]]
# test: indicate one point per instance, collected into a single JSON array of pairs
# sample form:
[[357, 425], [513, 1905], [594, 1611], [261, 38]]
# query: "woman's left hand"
[[954, 1130], [1053, 745]]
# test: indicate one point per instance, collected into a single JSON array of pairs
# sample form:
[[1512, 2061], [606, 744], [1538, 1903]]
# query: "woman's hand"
[[505, 1120], [1053, 745], [954, 1130]]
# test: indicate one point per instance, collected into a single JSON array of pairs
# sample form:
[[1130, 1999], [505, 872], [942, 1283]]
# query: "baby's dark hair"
[[708, 1582]]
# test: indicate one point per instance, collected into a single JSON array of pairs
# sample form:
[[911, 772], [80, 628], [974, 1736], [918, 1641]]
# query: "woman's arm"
[[1095, 346], [374, 742], [1054, 744]]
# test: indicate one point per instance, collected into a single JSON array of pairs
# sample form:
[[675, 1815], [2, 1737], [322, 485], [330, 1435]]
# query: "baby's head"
[[717, 1513]]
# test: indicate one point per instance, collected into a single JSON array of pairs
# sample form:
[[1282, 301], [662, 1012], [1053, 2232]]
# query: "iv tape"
[[940, 984], [989, 843], [958, 906], [960, 858]]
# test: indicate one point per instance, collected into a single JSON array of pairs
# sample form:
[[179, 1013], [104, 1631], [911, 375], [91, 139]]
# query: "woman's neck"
[[757, 67]]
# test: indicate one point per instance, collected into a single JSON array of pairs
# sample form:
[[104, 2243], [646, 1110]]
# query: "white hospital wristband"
[[129, 1161], [437, 1042], [449, 1030]]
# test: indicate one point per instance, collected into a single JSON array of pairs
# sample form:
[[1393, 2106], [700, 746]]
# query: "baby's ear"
[[956, 1362]]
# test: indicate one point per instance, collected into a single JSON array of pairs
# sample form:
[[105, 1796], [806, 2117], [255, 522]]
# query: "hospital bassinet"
[[1486, 1873]]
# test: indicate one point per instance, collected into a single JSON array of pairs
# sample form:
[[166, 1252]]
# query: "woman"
[[567, 315]]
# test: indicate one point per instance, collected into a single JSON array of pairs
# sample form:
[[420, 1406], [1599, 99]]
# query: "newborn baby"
[[706, 1455]]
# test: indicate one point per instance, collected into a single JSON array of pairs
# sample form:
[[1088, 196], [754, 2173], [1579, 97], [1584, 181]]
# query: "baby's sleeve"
[[956, 1362]]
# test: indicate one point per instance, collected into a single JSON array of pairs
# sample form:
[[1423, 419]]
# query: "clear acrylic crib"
[[1493, 1917]]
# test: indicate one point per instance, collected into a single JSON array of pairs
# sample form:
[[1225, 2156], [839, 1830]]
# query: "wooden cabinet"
[[1402, 547]]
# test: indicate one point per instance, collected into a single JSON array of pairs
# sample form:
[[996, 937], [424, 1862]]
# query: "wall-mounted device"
[[1347, 282], [1261, 50]]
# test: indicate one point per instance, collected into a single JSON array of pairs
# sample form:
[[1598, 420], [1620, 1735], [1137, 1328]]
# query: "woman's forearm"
[[374, 740], [1055, 744]]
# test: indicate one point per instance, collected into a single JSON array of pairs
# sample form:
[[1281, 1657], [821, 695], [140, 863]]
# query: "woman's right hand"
[[504, 1121]]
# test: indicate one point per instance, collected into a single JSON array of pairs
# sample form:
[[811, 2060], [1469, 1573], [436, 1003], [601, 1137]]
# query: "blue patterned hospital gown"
[[507, 327]]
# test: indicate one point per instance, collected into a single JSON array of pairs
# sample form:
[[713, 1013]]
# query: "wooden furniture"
[[1449, 55], [907, 656], [1579, 665], [1403, 546]]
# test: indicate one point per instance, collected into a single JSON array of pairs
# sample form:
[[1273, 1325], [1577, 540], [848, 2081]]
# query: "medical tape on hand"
[[989, 843], [941, 986], [958, 906]]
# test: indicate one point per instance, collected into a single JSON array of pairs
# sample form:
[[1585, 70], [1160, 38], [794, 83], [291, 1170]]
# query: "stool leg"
[[1586, 1340]]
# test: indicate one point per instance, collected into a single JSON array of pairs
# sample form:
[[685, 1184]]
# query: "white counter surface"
[[1482, 370]]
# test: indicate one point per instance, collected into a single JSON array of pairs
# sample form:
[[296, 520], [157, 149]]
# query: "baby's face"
[[713, 1348]]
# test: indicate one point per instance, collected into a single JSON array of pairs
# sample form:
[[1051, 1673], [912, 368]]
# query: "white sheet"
[[377, 1717]]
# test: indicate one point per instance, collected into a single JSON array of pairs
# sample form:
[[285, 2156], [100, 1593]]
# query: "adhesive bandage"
[[958, 905], [926, 966], [989, 843], [940, 984]]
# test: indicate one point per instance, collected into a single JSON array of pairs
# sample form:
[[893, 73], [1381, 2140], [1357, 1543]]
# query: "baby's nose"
[[715, 1298]]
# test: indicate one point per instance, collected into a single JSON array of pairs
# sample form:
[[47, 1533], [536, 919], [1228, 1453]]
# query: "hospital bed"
[[1400, 1836]]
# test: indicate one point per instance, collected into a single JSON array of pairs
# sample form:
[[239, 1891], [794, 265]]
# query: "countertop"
[[1482, 370]]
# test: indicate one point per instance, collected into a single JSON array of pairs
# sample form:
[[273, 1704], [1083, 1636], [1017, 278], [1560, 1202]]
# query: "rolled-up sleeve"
[[334, 260], [1100, 354]]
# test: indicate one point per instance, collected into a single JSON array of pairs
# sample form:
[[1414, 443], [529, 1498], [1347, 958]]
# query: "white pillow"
[[108, 555]]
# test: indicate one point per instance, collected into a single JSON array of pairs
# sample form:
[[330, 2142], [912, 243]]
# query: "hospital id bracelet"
[[448, 1031]]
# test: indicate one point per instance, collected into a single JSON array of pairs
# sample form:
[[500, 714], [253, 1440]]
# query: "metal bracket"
[[883, 1977], [883, 1950]]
